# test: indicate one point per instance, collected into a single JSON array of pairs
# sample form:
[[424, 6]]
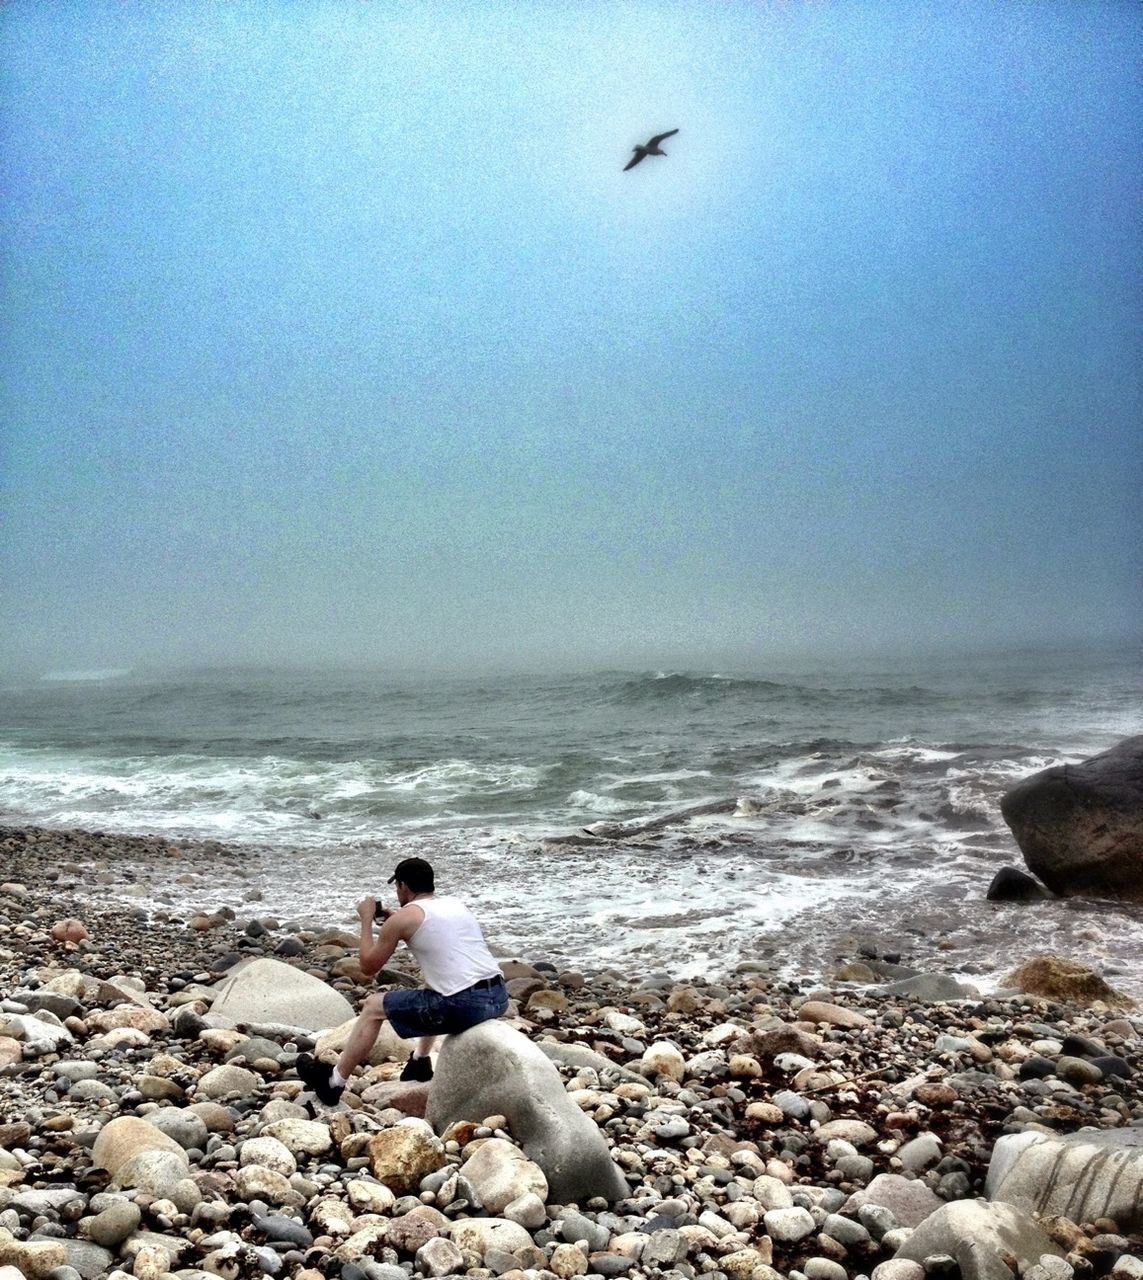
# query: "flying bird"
[[651, 148]]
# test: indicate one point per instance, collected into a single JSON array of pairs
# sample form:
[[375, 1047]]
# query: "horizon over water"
[[848, 806]]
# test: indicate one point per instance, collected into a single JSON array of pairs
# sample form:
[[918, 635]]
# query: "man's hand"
[[367, 910]]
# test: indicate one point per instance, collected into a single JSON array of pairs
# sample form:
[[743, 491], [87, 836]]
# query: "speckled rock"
[[481, 1234], [401, 1156]]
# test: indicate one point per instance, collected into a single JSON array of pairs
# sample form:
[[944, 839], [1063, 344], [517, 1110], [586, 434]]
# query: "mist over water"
[[835, 800]]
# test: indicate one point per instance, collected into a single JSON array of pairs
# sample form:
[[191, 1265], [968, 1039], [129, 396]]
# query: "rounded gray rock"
[[111, 1227]]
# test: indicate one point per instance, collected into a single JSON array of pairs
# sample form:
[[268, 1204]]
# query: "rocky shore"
[[875, 1125]]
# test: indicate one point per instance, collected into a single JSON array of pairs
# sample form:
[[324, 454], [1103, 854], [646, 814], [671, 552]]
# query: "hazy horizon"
[[336, 335]]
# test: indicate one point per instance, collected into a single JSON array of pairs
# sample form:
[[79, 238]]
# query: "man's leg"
[[362, 1037], [420, 1066], [328, 1084]]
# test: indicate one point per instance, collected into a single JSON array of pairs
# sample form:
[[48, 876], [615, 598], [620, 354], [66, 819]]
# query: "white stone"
[[268, 1152], [789, 1225], [478, 1235], [256, 1182], [528, 1210], [715, 1224], [663, 1059], [227, 1081], [369, 1197], [300, 1137], [772, 1193], [624, 1023], [725, 1033], [500, 1173]]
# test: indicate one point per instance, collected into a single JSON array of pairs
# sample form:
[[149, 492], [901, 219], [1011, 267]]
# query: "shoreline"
[[946, 927]]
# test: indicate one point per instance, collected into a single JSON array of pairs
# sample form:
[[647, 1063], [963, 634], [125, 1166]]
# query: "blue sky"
[[336, 332]]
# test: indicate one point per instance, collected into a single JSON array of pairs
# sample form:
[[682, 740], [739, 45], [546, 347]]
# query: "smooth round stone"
[[1078, 1071], [793, 1104], [366, 1196], [672, 1129], [856, 1132], [819, 1268], [789, 1225], [922, 1151], [76, 1069], [844, 1230], [610, 1265], [90, 1090], [1113, 1066], [1036, 1068], [159, 1089], [857, 1168], [111, 1227], [765, 1113], [576, 1227], [64, 1273], [181, 1124], [772, 1193], [527, 1211], [898, 1269]]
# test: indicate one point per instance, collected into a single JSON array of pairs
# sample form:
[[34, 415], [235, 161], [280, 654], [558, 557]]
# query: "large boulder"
[[979, 1235], [1080, 826], [1057, 978], [269, 991], [1089, 1174], [492, 1069]]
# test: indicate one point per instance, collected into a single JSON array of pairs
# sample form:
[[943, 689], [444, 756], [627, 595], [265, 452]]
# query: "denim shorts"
[[420, 1012]]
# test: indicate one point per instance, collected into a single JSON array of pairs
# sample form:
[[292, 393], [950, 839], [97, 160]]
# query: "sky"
[[337, 333]]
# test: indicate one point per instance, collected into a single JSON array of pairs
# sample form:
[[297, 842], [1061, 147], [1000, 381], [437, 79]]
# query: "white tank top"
[[449, 946]]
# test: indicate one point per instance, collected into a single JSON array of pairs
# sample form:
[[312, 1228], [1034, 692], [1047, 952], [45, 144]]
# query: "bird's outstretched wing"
[[659, 138], [634, 160]]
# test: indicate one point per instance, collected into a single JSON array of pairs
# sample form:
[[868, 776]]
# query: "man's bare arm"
[[398, 926]]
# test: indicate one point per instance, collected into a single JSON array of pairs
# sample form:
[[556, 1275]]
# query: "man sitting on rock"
[[463, 982]]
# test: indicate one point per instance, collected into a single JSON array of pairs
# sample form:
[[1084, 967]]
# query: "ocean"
[[839, 807]]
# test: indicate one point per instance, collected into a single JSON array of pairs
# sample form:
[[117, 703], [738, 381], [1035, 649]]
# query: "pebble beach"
[[766, 1127]]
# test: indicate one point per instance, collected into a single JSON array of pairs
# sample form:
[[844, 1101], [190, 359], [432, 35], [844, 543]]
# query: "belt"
[[487, 982]]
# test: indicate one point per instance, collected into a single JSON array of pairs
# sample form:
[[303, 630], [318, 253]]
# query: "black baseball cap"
[[416, 873]]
